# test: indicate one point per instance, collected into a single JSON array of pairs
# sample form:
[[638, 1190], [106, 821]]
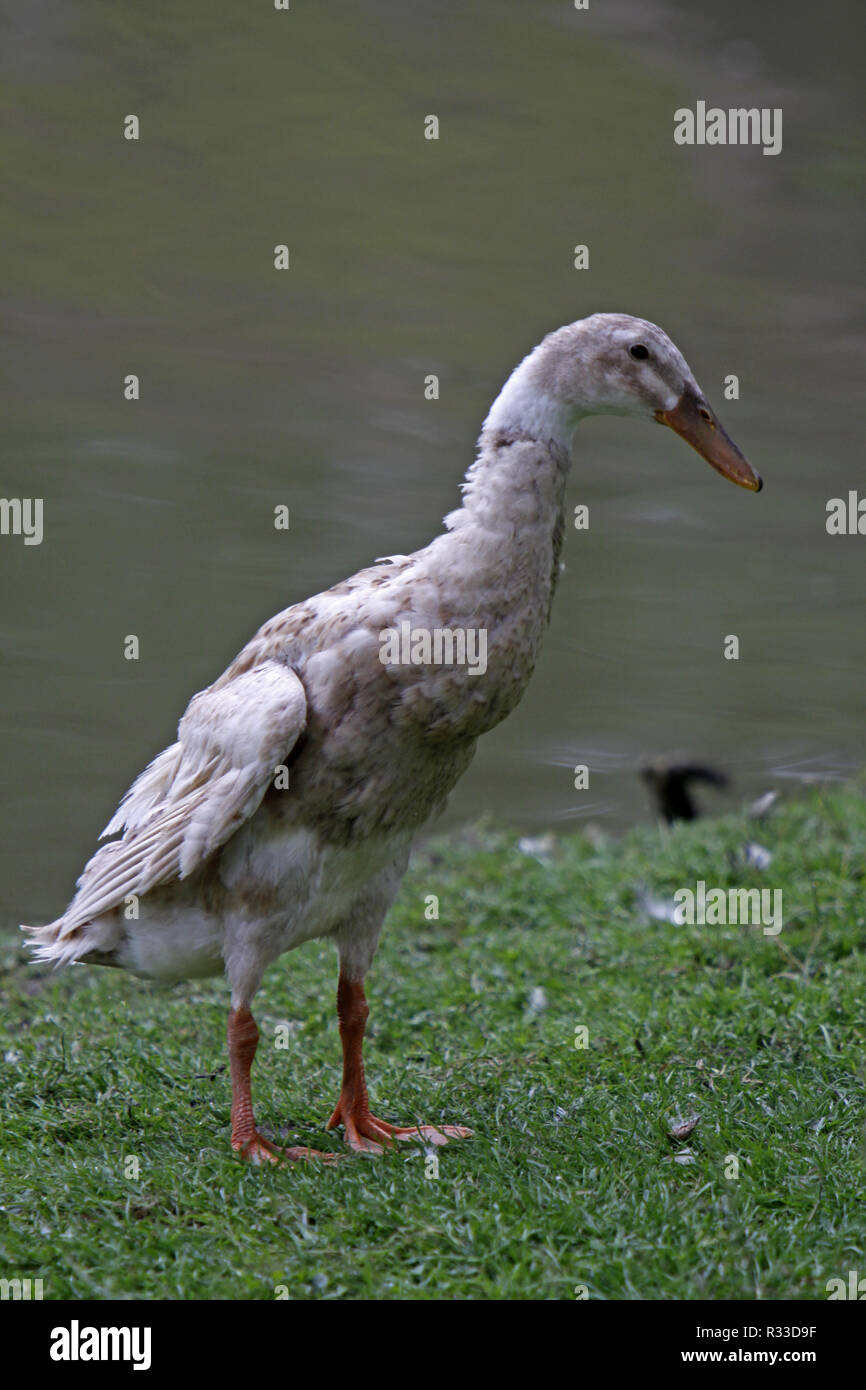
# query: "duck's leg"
[[364, 1132], [243, 1036]]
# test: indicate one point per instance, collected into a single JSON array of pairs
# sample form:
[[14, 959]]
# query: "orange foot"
[[261, 1150], [366, 1134]]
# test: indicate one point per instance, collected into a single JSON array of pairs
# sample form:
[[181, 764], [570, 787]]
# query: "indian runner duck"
[[287, 806]]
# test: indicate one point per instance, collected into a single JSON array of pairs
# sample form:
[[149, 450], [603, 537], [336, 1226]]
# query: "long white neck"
[[501, 547], [515, 488], [517, 481], [496, 566], [526, 406]]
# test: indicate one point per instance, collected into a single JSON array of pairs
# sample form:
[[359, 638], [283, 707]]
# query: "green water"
[[411, 257]]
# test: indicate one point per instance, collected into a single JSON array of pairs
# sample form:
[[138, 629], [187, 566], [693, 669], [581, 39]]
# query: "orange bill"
[[693, 420]]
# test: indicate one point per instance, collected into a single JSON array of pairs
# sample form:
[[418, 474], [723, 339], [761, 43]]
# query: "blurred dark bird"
[[669, 783]]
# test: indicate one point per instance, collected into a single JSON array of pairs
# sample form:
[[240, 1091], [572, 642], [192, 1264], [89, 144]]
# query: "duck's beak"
[[695, 422]]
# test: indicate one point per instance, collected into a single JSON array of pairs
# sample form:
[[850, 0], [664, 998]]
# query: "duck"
[[287, 807], [669, 785]]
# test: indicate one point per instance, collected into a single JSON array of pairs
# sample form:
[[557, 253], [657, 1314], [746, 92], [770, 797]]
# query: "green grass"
[[571, 1178]]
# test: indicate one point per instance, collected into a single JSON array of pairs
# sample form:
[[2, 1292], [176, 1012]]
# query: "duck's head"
[[613, 364]]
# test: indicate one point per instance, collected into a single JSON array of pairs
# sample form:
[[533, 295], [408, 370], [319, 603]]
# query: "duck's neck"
[[495, 571], [501, 552], [513, 494], [515, 488]]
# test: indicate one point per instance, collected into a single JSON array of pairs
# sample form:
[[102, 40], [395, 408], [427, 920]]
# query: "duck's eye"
[[639, 351]]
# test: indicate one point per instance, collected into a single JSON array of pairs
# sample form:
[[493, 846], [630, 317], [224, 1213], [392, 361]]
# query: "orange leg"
[[243, 1040], [364, 1133]]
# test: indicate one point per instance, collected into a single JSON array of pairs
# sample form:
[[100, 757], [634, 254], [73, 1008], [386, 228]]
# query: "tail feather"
[[60, 945]]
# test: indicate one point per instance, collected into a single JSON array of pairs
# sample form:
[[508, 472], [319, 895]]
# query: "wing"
[[195, 795]]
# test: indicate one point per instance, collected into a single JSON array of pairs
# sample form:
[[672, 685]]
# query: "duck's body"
[[370, 750], [287, 808]]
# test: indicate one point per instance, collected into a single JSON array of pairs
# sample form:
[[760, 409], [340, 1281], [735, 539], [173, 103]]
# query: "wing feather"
[[196, 794]]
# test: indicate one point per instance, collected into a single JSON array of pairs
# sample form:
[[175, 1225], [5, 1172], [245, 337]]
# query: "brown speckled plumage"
[[225, 866]]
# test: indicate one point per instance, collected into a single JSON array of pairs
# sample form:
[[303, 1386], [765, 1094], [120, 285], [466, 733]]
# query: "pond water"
[[408, 257]]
